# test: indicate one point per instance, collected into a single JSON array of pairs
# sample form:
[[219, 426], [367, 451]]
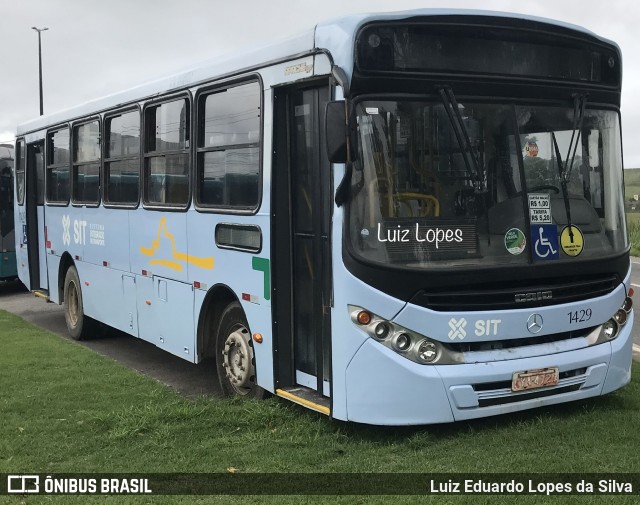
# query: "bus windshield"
[[430, 192]]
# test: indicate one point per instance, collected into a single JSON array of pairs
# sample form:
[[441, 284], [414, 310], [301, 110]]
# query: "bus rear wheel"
[[78, 324], [235, 360]]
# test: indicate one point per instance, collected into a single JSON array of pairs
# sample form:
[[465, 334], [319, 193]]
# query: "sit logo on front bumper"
[[483, 327]]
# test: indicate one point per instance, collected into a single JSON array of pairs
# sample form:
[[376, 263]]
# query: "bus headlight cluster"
[[407, 343], [611, 328]]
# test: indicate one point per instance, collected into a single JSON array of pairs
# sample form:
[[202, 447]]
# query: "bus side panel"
[[107, 237], [165, 310], [130, 312], [147, 328], [108, 296], [53, 267], [59, 226], [173, 311], [243, 272], [22, 258], [158, 244], [159, 259], [65, 233], [42, 257]]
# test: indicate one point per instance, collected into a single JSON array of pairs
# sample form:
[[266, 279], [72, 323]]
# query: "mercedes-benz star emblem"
[[534, 323]]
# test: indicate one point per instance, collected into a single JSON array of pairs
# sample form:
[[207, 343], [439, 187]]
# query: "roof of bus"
[[336, 36]]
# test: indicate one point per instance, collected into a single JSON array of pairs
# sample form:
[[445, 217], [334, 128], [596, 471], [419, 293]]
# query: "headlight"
[[427, 351], [414, 346], [402, 342], [610, 329], [381, 331], [620, 317]]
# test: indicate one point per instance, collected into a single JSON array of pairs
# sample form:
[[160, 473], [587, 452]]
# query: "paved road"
[[139, 355], [134, 353]]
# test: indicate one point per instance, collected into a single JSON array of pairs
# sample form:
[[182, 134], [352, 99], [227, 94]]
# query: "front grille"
[[494, 345], [502, 296], [557, 390], [500, 393]]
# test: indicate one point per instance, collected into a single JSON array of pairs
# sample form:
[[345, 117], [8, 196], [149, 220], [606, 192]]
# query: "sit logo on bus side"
[[79, 228], [483, 327]]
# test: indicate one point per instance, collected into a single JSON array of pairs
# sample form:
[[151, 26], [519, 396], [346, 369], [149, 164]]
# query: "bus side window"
[[229, 147], [58, 166], [86, 163], [122, 159], [166, 165]]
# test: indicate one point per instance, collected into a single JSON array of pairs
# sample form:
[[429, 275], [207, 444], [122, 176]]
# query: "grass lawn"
[[64, 408]]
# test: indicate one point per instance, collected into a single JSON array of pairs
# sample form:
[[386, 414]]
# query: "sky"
[[97, 47]]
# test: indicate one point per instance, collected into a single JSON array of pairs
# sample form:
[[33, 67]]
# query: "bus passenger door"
[[34, 202], [301, 251]]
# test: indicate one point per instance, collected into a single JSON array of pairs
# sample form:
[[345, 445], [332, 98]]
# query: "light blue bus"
[[392, 219], [7, 236]]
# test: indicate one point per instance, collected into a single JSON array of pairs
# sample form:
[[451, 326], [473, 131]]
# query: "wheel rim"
[[237, 360], [72, 304]]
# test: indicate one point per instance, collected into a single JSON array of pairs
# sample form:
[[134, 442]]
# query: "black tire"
[[235, 360], [79, 325]]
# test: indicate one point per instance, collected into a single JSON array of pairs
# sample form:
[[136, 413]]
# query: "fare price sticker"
[[539, 208]]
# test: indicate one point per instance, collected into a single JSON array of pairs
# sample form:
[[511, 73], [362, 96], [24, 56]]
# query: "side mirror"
[[335, 123]]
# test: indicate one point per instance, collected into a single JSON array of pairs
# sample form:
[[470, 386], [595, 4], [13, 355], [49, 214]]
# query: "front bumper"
[[385, 388]]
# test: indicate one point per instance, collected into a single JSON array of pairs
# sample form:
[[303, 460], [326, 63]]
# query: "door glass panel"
[[310, 200]]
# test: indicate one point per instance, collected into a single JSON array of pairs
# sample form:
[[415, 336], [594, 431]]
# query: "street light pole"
[[40, 63]]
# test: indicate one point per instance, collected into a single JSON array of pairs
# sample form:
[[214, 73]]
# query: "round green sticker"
[[515, 241]]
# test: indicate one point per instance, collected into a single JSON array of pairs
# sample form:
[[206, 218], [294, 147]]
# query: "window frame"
[[144, 156], [200, 101], [110, 115], [47, 167], [74, 164]]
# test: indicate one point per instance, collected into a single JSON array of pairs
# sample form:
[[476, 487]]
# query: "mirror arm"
[[341, 78]]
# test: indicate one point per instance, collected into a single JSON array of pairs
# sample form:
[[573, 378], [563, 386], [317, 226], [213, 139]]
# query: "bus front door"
[[34, 201], [301, 248]]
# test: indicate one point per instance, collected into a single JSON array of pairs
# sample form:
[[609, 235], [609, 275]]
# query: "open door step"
[[307, 398], [41, 293]]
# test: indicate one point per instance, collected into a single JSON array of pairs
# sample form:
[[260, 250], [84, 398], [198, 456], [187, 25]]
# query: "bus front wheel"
[[78, 325], [235, 360]]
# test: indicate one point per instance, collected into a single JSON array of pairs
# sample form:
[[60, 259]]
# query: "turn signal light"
[[257, 337], [363, 317]]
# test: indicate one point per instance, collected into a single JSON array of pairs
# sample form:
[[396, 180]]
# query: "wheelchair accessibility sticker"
[[544, 238]]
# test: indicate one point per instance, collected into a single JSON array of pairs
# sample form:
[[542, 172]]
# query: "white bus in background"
[[399, 218], [7, 234]]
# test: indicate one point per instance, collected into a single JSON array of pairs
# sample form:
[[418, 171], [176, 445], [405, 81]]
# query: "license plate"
[[534, 379]]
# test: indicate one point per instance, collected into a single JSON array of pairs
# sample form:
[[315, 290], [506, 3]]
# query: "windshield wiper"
[[564, 169], [579, 103], [460, 130], [563, 183]]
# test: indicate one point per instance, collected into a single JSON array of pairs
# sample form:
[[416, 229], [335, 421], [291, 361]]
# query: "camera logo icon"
[[23, 484]]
